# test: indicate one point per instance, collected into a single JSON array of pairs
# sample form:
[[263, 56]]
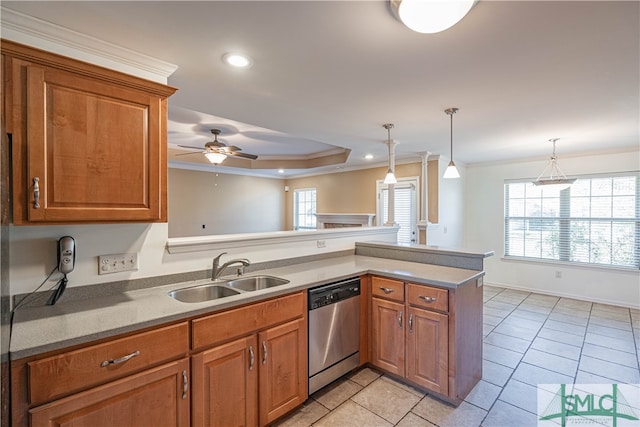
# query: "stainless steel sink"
[[203, 293], [254, 283]]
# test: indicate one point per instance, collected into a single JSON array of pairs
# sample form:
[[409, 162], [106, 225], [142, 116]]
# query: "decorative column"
[[424, 199]]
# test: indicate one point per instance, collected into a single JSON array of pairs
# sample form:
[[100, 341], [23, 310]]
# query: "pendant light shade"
[[390, 178], [215, 158], [451, 171], [556, 177], [430, 16]]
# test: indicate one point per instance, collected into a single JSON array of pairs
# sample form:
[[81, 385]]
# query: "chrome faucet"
[[217, 269]]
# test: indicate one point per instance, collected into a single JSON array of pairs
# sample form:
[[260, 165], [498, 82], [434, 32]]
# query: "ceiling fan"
[[216, 151]]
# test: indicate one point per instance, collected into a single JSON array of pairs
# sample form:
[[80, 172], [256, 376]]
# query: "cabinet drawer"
[[97, 364], [428, 297], [387, 288], [220, 327]]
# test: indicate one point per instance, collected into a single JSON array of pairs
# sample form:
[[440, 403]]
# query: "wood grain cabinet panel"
[[387, 335], [76, 370], [225, 384], [428, 350], [89, 144], [283, 369], [155, 397]]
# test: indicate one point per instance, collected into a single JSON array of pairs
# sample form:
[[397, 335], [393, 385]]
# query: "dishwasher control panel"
[[333, 293]]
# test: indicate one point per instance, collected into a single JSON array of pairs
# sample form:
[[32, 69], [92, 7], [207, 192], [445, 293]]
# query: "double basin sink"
[[226, 288]]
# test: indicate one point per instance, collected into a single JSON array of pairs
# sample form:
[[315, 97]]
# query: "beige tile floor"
[[529, 339]]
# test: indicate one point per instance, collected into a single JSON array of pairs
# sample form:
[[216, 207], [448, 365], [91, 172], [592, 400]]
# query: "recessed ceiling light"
[[235, 59], [369, 156]]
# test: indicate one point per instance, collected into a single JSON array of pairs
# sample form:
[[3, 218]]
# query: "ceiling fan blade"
[[243, 155], [190, 147], [189, 154]]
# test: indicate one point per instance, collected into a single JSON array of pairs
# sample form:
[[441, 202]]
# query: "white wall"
[[450, 230], [484, 230], [33, 252]]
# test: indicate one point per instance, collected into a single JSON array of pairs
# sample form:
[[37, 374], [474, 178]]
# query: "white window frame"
[[411, 181], [556, 229], [310, 216]]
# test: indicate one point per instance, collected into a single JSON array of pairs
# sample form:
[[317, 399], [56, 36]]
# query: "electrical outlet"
[[558, 274], [322, 243], [108, 264]]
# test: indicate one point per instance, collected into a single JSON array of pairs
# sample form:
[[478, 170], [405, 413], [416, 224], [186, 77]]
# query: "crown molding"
[[34, 32]]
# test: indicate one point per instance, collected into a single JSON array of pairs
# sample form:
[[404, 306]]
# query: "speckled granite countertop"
[[41, 329]]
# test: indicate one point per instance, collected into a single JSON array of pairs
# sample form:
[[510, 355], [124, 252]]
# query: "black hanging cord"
[[55, 296], [36, 289]]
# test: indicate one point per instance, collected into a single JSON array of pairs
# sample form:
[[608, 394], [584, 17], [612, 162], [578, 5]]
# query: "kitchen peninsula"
[[63, 344]]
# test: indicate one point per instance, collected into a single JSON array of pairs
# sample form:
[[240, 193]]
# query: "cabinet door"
[[387, 336], [225, 385], [157, 397], [428, 350], [97, 150], [283, 369]]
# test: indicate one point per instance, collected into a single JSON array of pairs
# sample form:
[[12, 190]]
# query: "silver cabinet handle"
[[400, 319], [36, 193], [185, 384], [264, 352], [411, 323], [386, 290], [251, 358], [120, 359], [427, 299]]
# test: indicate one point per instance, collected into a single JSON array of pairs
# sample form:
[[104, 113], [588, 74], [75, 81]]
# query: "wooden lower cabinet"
[[155, 397], [410, 341], [428, 350], [226, 378], [251, 363], [387, 335], [283, 369], [225, 384]]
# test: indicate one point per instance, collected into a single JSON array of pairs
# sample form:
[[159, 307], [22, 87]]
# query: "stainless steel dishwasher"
[[334, 331]]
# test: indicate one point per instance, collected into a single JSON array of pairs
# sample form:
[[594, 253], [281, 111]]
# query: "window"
[[405, 208], [595, 221], [304, 209]]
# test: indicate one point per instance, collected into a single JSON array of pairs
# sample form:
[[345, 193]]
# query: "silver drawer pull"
[[264, 353], [121, 359], [36, 193], [185, 385], [400, 319], [386, 290], [427, 299], [251, 358]]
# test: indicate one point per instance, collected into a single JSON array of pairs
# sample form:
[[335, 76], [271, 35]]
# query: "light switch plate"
[[108, 264]]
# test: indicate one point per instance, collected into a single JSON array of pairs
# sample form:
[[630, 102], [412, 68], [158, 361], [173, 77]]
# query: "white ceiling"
[[330, 73]]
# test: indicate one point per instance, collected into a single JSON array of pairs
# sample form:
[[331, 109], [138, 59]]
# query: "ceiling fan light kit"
[[451, 171], [390, 178], [216, 152], [557, 178], [430, 16]]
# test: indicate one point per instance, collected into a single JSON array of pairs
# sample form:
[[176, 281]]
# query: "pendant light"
[[556, 178], [451, 171], [390, 178], [430, 16]]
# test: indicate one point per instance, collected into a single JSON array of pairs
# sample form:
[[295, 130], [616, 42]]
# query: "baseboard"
[[563, 294]]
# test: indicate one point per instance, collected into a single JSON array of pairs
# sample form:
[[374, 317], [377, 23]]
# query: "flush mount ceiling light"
[[556, 178], [237, 60], [390, 178], [451, 171], [430, 16]]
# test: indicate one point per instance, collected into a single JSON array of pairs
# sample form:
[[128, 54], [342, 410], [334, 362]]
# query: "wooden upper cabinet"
[[89, 144]]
